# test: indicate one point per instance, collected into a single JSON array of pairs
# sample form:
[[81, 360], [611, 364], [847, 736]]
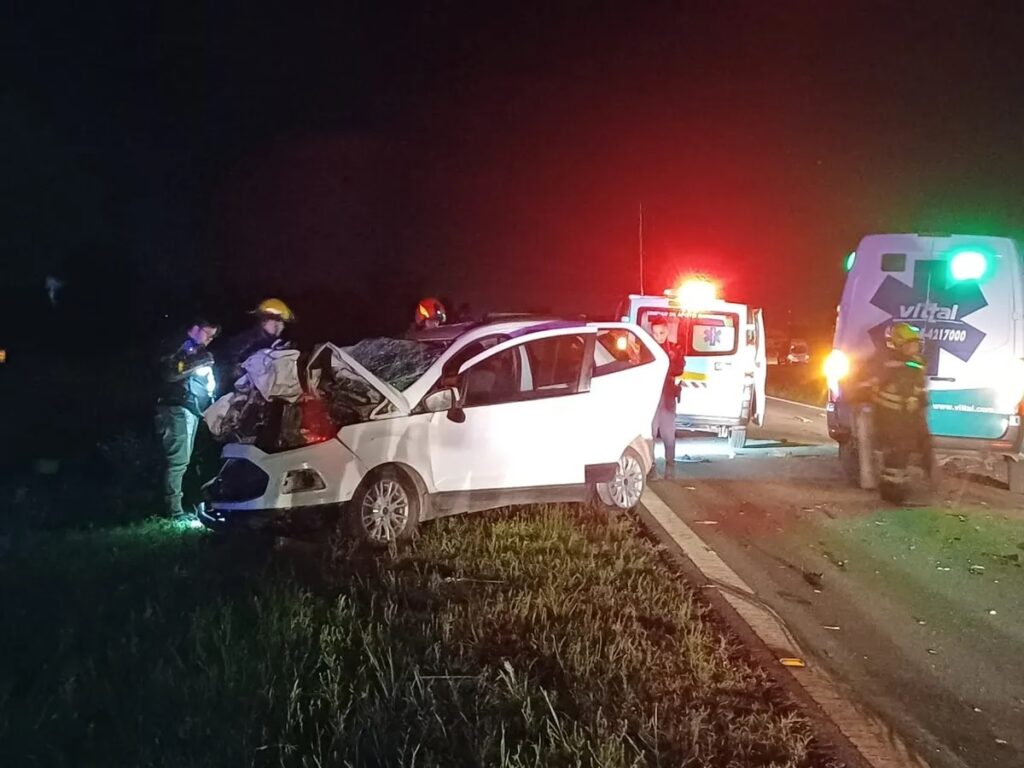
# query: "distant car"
[[511, 412], [798, 354]]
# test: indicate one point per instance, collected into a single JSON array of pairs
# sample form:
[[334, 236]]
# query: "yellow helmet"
[[275, 308], [904, 333]]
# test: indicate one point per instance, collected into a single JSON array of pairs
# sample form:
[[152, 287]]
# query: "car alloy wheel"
[[627, 486], [385, 510]]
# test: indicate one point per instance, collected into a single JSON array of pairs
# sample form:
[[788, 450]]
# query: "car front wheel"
[[624, 490], [386, 509]]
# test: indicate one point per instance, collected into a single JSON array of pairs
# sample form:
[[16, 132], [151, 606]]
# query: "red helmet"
[[430, 309]]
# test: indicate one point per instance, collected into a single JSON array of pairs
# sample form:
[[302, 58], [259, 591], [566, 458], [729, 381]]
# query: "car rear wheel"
[[624, 490], [386, 509]]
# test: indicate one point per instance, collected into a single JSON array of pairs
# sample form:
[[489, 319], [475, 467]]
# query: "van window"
[[714, 333], [894, 262], [703, 333]]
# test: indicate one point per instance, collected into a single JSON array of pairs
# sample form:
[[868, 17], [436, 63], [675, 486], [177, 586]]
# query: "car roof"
[[514, 325]]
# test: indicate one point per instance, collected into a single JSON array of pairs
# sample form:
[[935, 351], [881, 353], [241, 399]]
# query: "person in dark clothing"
[[665, 417], [897, 389], [272, 315], [187, 388]]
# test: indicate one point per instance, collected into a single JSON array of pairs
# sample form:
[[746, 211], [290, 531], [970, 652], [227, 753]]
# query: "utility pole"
[[641, 243]]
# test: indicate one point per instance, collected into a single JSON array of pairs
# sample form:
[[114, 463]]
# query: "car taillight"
[[317, 426]]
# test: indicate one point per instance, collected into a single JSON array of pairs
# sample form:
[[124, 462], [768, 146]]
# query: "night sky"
[[350, 158]]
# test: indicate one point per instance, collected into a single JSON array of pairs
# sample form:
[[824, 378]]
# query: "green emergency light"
[[968, 264], [850, 259]]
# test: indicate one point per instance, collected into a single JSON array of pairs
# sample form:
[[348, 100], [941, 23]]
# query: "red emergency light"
[[694, 293]]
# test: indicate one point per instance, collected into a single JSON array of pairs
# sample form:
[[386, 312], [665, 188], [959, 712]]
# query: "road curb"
[[853, 735]]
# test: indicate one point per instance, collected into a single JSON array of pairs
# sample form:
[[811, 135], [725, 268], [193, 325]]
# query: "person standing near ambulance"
[[897, 389], [665, 417]]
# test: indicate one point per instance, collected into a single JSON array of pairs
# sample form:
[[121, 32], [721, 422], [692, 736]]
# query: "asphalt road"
[[918, 611]]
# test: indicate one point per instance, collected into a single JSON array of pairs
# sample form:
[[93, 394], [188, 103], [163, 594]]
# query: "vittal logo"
[[937, 305]]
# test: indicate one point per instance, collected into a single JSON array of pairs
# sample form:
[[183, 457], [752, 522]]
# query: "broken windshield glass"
[[399, 362]]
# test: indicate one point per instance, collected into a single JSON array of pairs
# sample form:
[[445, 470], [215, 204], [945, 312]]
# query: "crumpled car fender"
[[341, 470]]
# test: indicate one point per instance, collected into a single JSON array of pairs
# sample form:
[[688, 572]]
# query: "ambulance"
[[965, 294], [722, 389]]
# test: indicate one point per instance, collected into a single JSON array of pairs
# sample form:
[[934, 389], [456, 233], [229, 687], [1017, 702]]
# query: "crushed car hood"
[[340, 359]]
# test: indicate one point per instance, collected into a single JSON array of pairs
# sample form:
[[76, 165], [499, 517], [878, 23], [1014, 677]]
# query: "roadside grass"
[[800, 383], [550, 636]]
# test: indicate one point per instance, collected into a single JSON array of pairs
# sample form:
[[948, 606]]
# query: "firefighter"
[[664, 427], [187, 388], [897, 387], [430, 313], [272, 316]]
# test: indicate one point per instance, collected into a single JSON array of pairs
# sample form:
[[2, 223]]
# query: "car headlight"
[[837, 368]]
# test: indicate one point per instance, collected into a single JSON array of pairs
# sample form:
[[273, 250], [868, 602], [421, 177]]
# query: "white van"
[[964, 292], [723, 386]]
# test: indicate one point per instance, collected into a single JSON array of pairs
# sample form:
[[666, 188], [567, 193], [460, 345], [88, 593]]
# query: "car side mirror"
[[442, 400]]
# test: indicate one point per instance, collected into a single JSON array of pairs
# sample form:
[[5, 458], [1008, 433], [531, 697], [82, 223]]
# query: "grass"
[[544, 637], [801, 383]]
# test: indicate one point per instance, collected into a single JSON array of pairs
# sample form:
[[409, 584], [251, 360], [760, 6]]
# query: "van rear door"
[[760, 367], [963, 293], [967, 321]]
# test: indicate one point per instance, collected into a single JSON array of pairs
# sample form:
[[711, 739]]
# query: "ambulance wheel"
[[1015, 475], [737, 437], [894, 493], [849, 460]]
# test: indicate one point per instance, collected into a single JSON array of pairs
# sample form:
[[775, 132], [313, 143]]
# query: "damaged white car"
[[485, 415]]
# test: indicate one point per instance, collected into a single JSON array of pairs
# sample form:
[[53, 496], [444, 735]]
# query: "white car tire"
[[385, 509], [623, 492]]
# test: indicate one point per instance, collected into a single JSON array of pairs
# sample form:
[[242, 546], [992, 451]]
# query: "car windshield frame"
[[432, 351]]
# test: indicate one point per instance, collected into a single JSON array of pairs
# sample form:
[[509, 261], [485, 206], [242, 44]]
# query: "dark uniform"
[[237, 350], [186, 373], [665, 418], [899, 396]]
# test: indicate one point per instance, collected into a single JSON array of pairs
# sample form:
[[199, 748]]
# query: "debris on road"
[[833, 627], [976, 569], [791, 662], [814, 579], [705, 522], [836, 561], [933, 652], [992, 613], [1011, 559], [942, 568]]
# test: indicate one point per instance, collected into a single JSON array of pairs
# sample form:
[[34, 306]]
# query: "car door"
[[524, 403], [625, 389]]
